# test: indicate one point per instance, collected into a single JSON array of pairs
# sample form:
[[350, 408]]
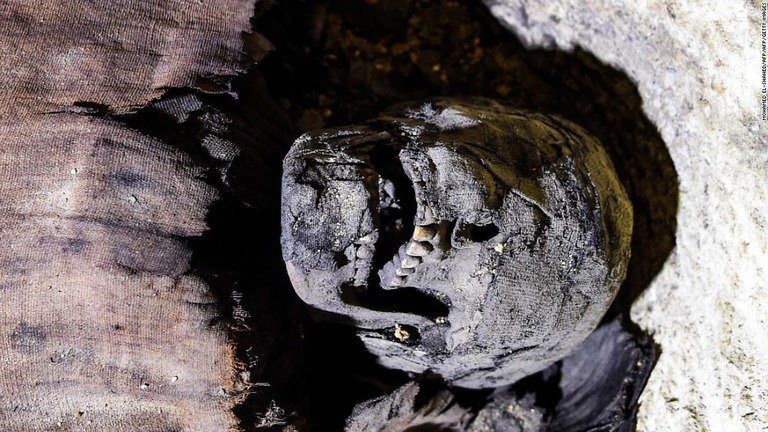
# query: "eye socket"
[[465, 234]]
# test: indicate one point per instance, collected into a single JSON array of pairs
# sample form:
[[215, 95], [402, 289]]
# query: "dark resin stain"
[[28, 338], [127, 178]]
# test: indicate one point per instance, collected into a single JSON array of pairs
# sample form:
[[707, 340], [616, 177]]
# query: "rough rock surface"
[[696, 65]]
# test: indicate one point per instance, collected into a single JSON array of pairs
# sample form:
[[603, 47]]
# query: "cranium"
[[476, 241]]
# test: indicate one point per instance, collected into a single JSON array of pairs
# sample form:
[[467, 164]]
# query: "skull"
[[465, 238]]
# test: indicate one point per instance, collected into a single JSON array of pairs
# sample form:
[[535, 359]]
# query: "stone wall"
[[697, 67]]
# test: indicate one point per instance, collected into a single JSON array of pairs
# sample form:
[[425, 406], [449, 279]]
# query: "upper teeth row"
[[425, 215], [410, 256]]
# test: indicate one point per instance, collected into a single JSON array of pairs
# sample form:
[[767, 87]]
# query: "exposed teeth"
[[413, 173], [429, 216], [410, 262], [364, 252], [418, 249], [422, 233], [424, 214], [361, 275], [408, 258], [387, 187], [403, 272], [368, 239]]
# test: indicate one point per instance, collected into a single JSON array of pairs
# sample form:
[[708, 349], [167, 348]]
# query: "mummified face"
[[476, 241]]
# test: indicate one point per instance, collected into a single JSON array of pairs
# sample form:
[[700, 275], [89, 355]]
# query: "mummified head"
[[476, 241]]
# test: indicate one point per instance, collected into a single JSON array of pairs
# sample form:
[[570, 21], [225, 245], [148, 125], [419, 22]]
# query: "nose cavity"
[[397, 208], [467, 235], [404, 238], [400, 246]]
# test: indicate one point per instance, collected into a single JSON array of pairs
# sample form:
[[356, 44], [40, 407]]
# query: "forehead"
[[460, 178], [464, 158], [448, 180], [350, 145]]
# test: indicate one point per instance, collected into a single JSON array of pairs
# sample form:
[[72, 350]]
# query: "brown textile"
[[117, 53], [101, 328]]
